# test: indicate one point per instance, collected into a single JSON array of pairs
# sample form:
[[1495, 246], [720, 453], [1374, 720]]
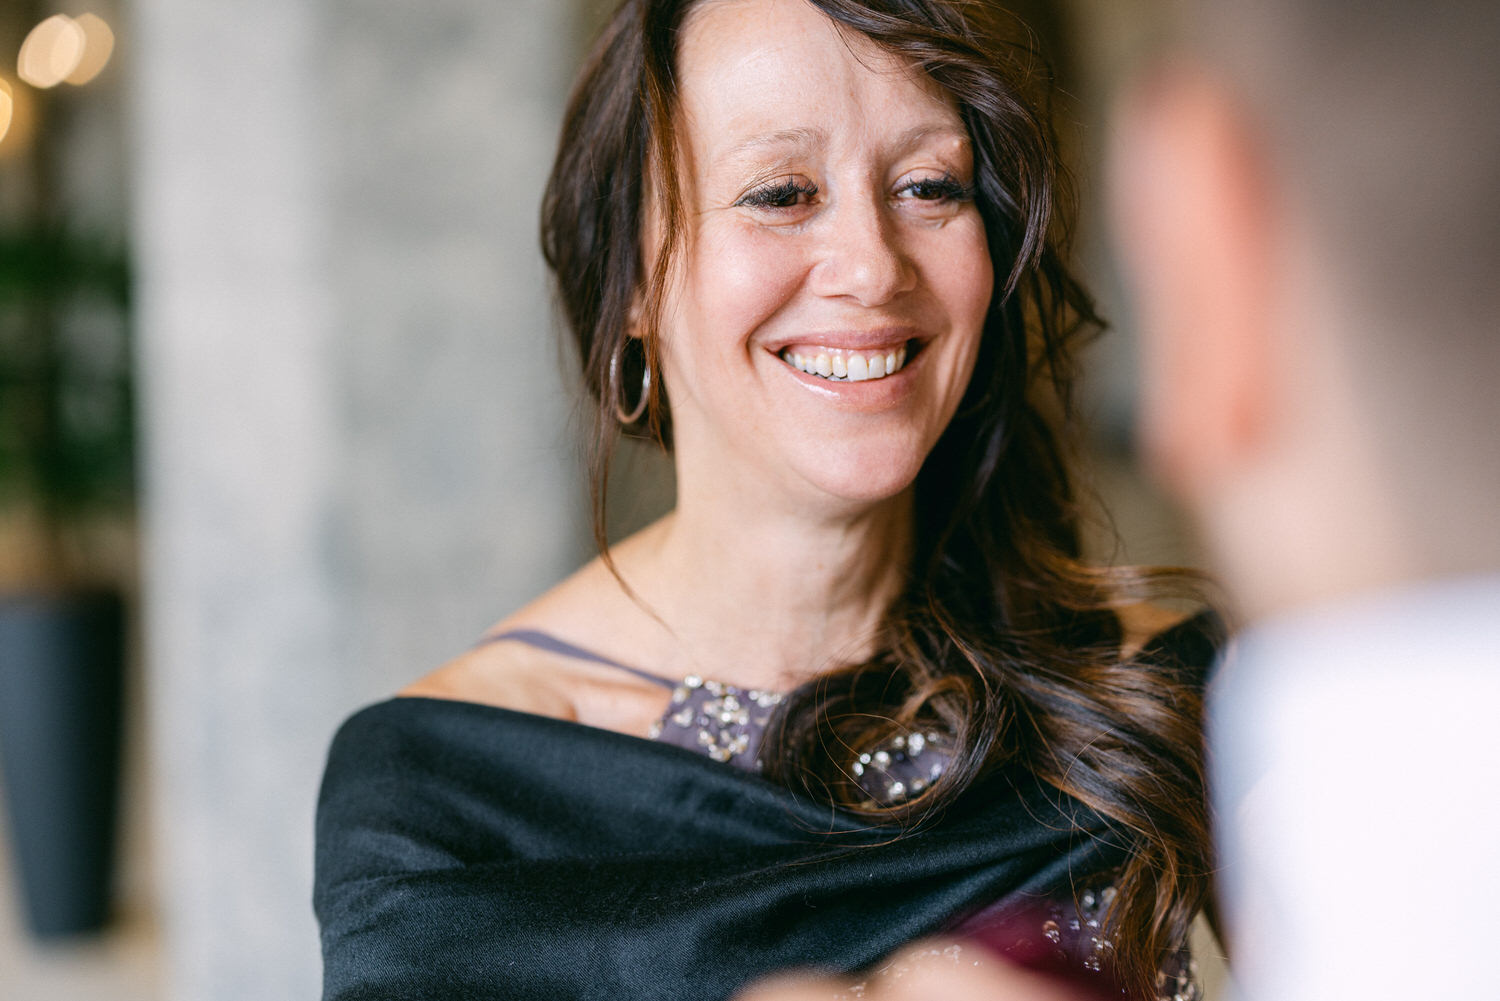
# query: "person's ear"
[[633, 316], [1193, 220]]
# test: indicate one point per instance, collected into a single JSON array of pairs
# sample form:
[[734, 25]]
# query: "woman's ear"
[[1193, 222], [635, 313]]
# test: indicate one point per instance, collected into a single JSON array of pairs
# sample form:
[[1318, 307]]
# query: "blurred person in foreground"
[[1307, 199], [1308, 202]]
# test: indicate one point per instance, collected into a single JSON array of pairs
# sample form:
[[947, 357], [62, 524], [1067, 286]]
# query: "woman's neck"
[[762, 597]]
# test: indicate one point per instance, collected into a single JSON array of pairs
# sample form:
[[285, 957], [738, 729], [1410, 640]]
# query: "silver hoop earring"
[[617, 395]]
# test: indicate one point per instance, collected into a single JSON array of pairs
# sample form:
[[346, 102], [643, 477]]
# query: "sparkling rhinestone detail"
[[902, 767], [1074, 928], [726, 723], [722, 721]]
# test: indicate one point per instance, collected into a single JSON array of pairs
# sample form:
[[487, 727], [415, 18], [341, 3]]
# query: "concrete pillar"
[[355, 430]]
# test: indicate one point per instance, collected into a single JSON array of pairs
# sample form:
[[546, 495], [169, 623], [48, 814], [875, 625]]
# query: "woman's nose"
[[861, 255]]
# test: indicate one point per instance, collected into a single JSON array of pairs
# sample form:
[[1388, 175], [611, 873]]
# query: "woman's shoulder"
[[530, 661], [511, 675], [499, 674]]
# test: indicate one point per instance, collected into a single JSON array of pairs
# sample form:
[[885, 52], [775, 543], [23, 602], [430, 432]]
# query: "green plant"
[[66, 413]]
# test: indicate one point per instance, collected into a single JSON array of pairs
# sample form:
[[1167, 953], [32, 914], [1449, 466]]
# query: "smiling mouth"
[[847, 366]]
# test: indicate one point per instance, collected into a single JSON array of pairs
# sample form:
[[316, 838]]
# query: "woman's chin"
[[859, 483]]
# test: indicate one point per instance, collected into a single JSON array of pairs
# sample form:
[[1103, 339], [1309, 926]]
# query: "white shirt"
[[1356, 777]]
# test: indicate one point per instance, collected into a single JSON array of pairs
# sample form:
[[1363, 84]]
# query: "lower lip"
[[868, 395]]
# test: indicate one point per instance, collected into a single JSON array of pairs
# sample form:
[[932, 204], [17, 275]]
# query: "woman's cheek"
[[967, 276], [745, 276]]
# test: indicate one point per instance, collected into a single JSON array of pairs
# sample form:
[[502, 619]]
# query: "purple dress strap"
[[546, 641], [728, 723], [722, 721]]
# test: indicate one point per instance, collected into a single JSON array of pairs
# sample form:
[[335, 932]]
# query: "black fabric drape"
[[469, 852]]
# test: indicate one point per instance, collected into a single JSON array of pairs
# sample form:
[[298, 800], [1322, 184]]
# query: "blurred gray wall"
[[356, 435]]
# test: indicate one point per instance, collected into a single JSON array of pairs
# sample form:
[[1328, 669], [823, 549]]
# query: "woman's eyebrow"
[[808, 137], [781, 137], [918, 134]]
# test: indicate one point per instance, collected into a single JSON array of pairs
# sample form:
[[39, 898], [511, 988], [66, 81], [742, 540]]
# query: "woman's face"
[[828, 226]]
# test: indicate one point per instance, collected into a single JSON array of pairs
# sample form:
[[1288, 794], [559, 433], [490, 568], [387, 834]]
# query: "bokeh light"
[[52, 51], [20, 102], [7, 109], [17, 117], [99, 44]]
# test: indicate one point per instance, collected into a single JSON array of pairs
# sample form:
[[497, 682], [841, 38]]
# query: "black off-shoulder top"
[[471, 852]]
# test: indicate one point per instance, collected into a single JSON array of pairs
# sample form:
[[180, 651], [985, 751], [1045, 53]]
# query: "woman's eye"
[[781, 195], [935, 189]]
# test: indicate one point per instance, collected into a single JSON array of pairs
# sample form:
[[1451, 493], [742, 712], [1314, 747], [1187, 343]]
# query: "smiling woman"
[[858, 686], [847, 238]]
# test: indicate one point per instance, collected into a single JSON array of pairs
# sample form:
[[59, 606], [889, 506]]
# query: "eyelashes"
[[784, 194], [791, 192], [937, 189]]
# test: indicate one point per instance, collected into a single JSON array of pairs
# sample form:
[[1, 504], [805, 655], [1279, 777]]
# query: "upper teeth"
[[850, 367]]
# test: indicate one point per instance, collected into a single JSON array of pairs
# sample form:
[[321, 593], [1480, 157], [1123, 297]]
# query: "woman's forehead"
[[758, 76]]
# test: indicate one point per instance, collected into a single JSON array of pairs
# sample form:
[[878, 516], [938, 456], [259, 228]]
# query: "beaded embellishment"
[[727, 722], [723, 721], [903, 767], [1177, 982], [1075, 930]]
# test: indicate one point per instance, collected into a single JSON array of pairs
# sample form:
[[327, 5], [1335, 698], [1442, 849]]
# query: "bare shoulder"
[[505, 675], [520, 676]]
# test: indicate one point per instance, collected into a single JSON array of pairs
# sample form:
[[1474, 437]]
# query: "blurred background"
[[284, 423]]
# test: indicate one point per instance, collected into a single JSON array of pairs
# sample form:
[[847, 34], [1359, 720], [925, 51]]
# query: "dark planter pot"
[[61, 695]]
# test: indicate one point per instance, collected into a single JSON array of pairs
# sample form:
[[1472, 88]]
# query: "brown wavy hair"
[[1004, 635]]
